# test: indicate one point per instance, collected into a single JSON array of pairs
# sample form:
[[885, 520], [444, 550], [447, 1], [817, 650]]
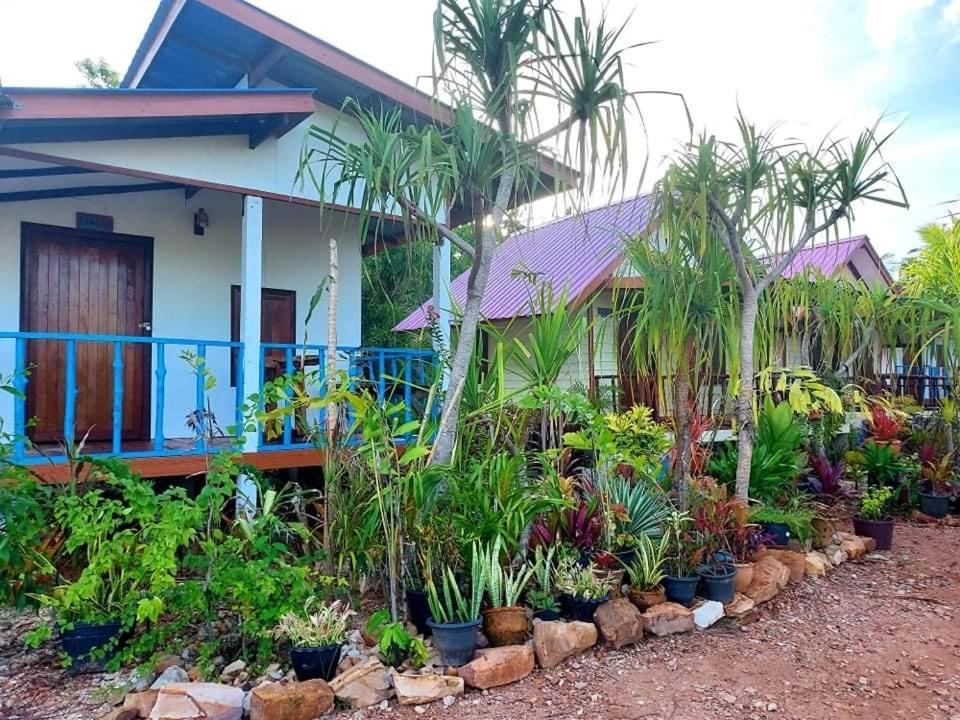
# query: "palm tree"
[[525, 83]]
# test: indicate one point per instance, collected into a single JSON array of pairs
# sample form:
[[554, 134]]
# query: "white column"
[[441, 300], [251, 278]]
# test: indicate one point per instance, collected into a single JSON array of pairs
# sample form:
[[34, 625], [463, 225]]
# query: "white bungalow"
[[164, 217]]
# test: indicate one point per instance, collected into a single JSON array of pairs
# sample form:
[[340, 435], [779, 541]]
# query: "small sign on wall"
[[91, 221]]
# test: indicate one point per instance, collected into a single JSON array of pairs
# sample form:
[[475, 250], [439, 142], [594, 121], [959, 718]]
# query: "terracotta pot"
[[744, 577], [614, 578], [894, 445], [506, 625], [646, 599]]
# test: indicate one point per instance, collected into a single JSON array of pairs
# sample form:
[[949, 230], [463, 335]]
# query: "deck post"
[[442, 304], [251, 278]]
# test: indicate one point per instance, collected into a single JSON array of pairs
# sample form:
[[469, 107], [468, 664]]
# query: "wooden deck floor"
[[55, 469]]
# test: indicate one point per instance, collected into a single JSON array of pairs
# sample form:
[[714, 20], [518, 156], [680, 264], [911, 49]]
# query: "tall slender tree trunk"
[[333, 411], [682, 418], [745, 427], [476, 286]]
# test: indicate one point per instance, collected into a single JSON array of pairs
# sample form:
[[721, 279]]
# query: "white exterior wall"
[[192, 276]]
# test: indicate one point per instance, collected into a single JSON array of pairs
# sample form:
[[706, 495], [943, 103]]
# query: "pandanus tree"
[[681, 320], [765, 200], [526, 84]]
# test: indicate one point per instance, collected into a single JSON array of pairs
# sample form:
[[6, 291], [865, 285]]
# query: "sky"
[[811, 68]]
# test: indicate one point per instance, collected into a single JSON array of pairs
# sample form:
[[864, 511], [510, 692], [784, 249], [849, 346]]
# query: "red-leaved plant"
[[828, 474], [885, 425]]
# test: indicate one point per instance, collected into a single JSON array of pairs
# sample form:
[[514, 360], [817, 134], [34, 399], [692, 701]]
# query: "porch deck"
[[93, 399]]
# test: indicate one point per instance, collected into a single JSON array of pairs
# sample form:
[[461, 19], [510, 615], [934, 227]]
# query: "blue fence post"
[[161, 374], [408, 388], [70, 394], [117, 397], [381, 379], [200, 390], [288, 416], [238, 374], [20, 400]]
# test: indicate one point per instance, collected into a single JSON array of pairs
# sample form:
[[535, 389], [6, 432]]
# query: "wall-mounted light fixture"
[[200, 221]]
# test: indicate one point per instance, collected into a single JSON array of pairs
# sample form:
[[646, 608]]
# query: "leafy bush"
[[394, 642], [28, 539], [875, 504], [325, 625], [796, 517]]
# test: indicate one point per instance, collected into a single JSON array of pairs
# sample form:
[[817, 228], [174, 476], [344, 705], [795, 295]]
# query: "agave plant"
[[636, 510]]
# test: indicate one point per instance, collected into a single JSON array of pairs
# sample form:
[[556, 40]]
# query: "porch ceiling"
[[37, 115]]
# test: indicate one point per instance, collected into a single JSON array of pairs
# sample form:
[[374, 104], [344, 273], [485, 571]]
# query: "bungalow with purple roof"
[[582, 257]]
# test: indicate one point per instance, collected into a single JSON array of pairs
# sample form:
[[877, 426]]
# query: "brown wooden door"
[[278, 318], [90, 283], [635, 388]]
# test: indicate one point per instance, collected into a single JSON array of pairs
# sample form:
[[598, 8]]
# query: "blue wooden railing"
[[390, 373]]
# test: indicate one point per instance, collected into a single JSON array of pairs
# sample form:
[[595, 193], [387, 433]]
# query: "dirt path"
[[876, 640]]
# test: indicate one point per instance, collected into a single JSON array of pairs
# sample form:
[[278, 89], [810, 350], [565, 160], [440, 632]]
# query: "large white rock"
[[707, 613]]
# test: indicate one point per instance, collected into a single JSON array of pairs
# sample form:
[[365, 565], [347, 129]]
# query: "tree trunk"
[[476, 286], [681, 416], [745, 428], [330, 479]]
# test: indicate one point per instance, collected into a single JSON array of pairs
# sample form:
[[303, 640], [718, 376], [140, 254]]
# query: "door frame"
[[236, 310], [80, 237]]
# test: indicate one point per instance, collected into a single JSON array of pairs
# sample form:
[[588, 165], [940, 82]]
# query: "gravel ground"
[[874, 640]]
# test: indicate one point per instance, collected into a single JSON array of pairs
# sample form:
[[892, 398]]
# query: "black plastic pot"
[[546, 615], [625, 556], [456, 642], [418, 610], [681, 589], [780, 532], [83, 638], [310, 663], [579, 609], [719, 583], [934, 505], [879, 530]]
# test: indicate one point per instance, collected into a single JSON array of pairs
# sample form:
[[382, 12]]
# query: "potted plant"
[[541, 598], [454, 619], [581, 590], [885, 425], [937, 476], [718, 519], [396, 645], [873, 517], [782, 524], [316, 638], [609, 571], [646, 573], [680, 580], [505, 620]]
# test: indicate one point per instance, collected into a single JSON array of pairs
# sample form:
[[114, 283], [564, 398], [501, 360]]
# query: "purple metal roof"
[[831, 257], [569, 254]]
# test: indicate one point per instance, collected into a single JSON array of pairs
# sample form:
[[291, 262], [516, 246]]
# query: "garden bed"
[[794, 654]]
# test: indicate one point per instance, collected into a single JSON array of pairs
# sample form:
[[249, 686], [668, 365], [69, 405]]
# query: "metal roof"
[[831, 257], [574, 254]]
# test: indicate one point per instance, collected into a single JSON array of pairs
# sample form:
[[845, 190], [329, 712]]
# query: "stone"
[[142, 702], [425, 689], [739, 607], [449, 700], [707, 613], [493, 667], [167, 661], [823, 532], [796, 563], [668, 618], [173, 674], [852, 545], [120, 713], [198, 701], [869, 544], [233, 669], [554, 641], [363, 685], [620, 622], [770, 576], [291, 701], [816, 564], [835, 554]]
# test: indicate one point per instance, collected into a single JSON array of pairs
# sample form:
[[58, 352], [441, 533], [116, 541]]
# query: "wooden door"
[[635, 388], [278, 319], [90, 283]]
